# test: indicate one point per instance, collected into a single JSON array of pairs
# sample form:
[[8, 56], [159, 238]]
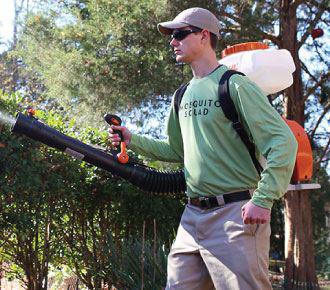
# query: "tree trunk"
[[15, 75], [299, 245], [1, 274]]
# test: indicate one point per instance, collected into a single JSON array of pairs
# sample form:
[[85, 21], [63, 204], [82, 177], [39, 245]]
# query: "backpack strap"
[[178, 97], [230, 112]]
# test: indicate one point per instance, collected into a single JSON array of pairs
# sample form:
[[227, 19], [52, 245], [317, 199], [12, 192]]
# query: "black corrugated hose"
[[147, 179]]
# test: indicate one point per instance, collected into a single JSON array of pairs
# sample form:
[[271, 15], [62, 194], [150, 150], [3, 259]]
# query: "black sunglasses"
[[182, 34]]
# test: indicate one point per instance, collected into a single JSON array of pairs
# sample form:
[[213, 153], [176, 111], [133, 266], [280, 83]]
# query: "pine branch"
[[18, 7], [311, 26], [304, 67], [229, 30], [320, 160], [312, 89], [326, 110], [273, 38], [322, 5], [223, 5], [231, 16], [295, 3], [317, 46], [263, 34]]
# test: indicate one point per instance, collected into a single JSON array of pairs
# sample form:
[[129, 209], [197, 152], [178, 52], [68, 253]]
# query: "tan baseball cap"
[[199, 17]]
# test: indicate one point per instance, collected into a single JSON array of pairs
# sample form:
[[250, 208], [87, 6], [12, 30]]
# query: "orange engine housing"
[[303, 169]]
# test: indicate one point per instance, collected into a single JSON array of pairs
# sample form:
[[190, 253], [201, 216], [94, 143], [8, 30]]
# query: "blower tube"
[[147, 179]]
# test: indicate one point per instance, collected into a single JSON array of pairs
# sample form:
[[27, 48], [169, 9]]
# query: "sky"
[[6, 19]]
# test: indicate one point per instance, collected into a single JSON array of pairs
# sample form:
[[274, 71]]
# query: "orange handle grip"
[[122, 156]]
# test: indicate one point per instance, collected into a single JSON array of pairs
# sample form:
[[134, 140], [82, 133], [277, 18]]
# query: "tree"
[[14, 75], [108, 52]]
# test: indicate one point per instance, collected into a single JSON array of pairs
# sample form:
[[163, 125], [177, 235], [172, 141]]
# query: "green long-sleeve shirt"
[[215, 159]]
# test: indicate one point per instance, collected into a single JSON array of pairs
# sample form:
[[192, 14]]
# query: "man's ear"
[[205, 35]]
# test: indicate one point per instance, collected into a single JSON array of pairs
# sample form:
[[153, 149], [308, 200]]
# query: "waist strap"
[[220, 200]]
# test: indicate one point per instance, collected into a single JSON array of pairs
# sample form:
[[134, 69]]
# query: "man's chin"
[[181, 58]]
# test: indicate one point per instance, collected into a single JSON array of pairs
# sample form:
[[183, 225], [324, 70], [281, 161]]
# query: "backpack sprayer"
[[271, 69]]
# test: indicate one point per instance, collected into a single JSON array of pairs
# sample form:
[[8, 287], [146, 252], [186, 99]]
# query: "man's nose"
[[174, 42]]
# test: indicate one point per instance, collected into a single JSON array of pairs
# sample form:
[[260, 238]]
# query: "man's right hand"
[[115, 139]]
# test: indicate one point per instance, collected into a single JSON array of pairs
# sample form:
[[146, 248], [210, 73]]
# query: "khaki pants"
[[213, 249]]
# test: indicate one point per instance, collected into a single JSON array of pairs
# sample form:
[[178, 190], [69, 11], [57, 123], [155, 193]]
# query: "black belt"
[[220, 200]]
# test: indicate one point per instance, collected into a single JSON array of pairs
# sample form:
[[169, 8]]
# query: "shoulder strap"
[[178, 96], [230, 112]]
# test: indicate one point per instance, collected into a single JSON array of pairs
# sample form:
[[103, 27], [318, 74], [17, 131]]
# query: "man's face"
[[189, 48]]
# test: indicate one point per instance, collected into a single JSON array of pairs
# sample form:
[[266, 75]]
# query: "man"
[[223, 245]]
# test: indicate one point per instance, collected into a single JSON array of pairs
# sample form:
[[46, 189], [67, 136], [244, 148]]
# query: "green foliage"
[[16, 76], [56, 210], [100, 54], [135, 263], [32, 186], [320, 200]]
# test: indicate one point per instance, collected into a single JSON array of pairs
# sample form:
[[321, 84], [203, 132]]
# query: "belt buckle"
[[205, 202], [220, 200]]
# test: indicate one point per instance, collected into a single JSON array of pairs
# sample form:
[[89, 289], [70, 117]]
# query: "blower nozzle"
[[146, 178]]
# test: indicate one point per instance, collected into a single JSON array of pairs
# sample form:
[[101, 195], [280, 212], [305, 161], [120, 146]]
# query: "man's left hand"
[[253, 214]]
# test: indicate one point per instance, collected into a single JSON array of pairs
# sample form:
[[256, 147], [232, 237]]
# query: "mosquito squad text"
[[198, 107]]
